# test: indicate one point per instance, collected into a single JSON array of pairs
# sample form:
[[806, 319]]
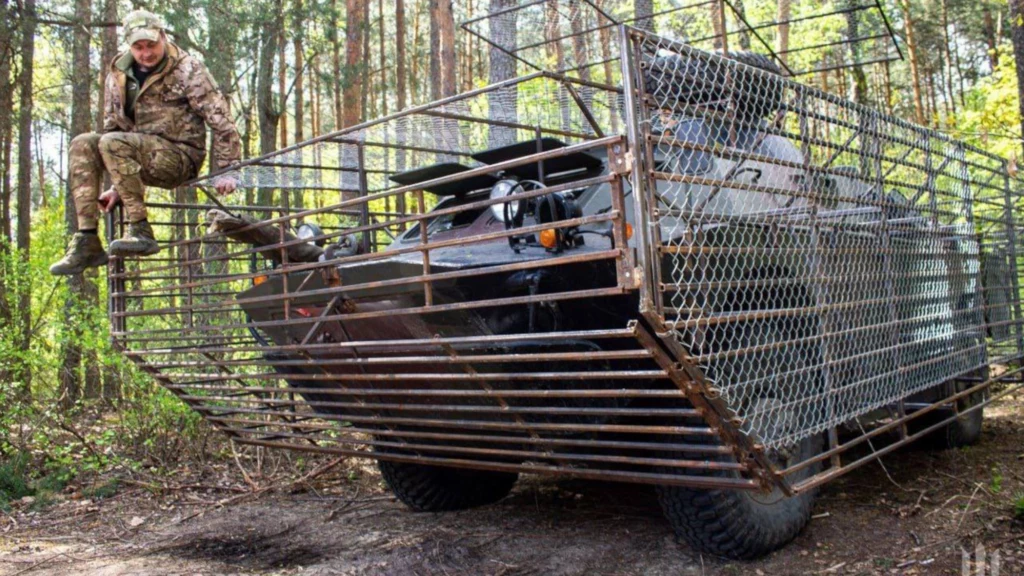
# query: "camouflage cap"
[[142, 25]]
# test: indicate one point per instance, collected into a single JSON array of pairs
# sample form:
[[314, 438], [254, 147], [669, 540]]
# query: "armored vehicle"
[[691, 272]]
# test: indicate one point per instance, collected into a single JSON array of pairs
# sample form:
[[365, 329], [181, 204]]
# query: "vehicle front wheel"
[[426, 488], [742, 524]]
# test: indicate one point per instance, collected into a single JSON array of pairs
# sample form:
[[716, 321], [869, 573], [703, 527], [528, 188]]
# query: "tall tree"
[[642, 11], [1017, 31], [446, 25], [268, 112], [6, 103], [108, 50], [336, 85], [282, 80], [298, 35], [859, 79], [912, 55], [783, 13], [352, 95], [25, 82], [6, 133], [434, 52], [71, 354], [501, 105], [400, 87]]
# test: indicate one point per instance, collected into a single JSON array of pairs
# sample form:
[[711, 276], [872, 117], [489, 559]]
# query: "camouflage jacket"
[[175, 103]]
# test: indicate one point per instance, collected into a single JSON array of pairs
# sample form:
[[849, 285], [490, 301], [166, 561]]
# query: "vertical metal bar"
[[647, 254], [428, 287], [818, 286], [539, 138], [364, 207]]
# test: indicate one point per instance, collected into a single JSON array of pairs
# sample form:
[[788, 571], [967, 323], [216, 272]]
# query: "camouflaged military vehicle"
[[680, 269]]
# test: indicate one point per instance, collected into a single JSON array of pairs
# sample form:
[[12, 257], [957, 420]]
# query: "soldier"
[[158, 103]]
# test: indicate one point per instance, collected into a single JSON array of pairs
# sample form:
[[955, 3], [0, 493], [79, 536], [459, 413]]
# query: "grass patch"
[[1018, 506], [102, 491], [14, 484]]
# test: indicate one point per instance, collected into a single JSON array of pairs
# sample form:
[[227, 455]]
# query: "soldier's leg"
[[123, 156], [164, 164], [134, 161], [85, 171], [85, 167]]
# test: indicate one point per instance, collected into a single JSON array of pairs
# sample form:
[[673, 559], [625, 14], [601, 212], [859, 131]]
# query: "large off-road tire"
[[965, 430], [741, 524], [427, 488]]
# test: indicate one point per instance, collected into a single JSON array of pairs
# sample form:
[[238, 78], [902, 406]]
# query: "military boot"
[[84, 251], [138, 241]]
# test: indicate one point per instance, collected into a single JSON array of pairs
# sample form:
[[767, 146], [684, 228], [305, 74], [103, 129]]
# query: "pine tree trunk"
[[338, 80], [908, 30], [1017, 33], [6, 103], [989, 30], [282, 82], [352, 96], [71, 352], [364, 68], [28, 34], [446, 27], [947, 47], [298, 29], [642, 11], [502, 67], [860, 81], [400, 95], [741, 15], [435, 49], [718, 25], [782, 15], [266, 109], [605, 36]]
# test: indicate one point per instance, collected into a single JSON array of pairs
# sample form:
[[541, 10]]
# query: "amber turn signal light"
[[548, 238]]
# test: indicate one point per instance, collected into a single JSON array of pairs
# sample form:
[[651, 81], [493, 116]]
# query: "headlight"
[[308, 231], [500, 190]]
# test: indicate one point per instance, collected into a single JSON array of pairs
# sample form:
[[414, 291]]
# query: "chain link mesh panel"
[[818, 259]]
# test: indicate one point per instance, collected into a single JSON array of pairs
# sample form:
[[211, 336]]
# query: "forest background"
[[293, 70]]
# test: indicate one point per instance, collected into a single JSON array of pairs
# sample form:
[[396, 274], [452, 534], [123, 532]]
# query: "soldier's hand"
[[108, 200], [225, 184]]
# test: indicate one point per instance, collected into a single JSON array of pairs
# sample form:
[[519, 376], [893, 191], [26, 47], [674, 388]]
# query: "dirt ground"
[[922, 513]]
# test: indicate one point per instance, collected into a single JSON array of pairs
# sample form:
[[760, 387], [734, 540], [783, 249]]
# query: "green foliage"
[[102, 491], [991, 118], [13, 483], [1018, 506], [996, 486]]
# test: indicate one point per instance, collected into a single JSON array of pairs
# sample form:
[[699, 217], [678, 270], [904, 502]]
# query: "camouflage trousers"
[[133, 161]]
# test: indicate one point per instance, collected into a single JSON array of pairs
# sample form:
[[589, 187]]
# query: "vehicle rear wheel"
[[426, 488], [743, 524], [965, 430]]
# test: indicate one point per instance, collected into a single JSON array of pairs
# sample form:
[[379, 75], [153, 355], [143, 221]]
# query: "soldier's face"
[[148, 53]]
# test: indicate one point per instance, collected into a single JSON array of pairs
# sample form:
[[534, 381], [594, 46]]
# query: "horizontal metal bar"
[[710, 482], [213, 413], [656, 445]]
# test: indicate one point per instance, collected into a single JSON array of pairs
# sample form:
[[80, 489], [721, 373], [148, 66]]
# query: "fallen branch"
[[313, 474], [968, 508]]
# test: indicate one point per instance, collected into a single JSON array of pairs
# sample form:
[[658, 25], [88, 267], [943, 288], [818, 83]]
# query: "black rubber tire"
[[964, 431], [741, 525], [427, 488]]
